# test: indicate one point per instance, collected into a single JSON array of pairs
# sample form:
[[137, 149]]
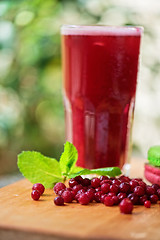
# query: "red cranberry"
[[85, 188], [155, 186], [79, 193], [153, 198], [95, 182], [83, 199], [39, 187], [114, 188], [67, 196], [59, 201], [35, 195], [60, 192], [86, 182], [134, 198], [133, 184], [76, 188], [150, 190], [108, 201], [74, 194], [78, 179], [124, 179], [116, 181], [139, 191], [111, 194], [158, 193], [59, 186], [72, 182], [147, 204], [106, 181], [69, 189], [97, 197], [103, 197], [142, 184], [143, 199], [91, 189], [116, 200], [126, 206], [90, 194], [121, 196], [124, 187], [97, 189], [105, 187], [103, 178]]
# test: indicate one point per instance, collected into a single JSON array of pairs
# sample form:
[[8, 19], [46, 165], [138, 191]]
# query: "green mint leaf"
[[38, 168], [68, 158], [109, 171], [76, 169]]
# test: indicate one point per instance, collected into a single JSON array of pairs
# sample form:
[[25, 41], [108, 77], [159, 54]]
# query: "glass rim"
[[101, 30]]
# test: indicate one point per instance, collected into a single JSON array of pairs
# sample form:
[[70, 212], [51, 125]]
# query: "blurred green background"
[[31, 107]]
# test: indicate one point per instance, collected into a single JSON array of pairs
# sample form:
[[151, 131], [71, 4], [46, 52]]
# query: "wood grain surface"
[[23, 218]]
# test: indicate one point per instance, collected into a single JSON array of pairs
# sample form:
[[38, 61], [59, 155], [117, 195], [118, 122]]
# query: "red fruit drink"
[[100, 67]]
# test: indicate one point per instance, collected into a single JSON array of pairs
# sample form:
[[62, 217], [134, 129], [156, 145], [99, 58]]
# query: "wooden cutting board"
[[21, 218]]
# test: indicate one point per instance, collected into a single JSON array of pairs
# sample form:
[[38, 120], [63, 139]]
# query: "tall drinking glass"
[[100, 65]]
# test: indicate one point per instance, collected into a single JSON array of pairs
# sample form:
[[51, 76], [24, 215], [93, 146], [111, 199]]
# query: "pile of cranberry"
[[121, 191]]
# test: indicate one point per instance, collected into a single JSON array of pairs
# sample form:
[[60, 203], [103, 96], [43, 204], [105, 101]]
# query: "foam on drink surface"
[[101, 30]]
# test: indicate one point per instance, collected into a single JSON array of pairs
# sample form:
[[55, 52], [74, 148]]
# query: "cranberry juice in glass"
[[100, 65]]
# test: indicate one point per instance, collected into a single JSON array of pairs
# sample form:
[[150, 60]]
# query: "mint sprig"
[[38, 168], [109, 171]]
